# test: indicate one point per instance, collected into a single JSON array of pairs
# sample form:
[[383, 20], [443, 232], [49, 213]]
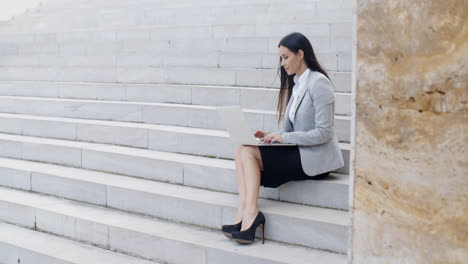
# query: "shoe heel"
[[262, 226]]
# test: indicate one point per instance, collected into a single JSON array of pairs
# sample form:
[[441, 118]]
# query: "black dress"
[[282, 164]]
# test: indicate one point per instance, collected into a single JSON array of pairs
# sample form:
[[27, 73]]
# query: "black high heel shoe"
[[228, 229], [247, 236]]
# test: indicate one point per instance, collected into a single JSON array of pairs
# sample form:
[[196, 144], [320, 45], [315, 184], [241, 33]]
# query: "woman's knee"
[[250, 153], [238, 154]]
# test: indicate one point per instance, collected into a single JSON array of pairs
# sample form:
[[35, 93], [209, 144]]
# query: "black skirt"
[[282, 164]]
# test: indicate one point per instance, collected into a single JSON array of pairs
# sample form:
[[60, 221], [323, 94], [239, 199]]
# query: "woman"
[[306, 103]]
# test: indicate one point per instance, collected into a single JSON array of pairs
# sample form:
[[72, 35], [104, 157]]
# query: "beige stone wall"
[[411, 170]]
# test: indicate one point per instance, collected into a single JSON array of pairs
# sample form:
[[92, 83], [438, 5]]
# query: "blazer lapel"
[[302, 94]]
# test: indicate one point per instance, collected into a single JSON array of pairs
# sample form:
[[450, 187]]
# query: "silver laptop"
[[234, 120]]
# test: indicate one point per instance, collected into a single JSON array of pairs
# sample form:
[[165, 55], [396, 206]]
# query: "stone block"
[[271, 61], [325, 194], [204, 118], [17, 213], [341, 29], [211, 76], [313, 234], [240, 60], [115, 135], [59, 130], [84, 74], [200, 45], [280, 30], [345, 62], [222, 179], [214, 256], [167, 207], [341, 81], [82, 61], [9, 253], [164, 114], [342, 44], [140, 75], [233, 31], [69, 188], [328, 61], [72, 48], [139, 60], [35, 89], [205, 95], [11, 126], [158, 93], [18, 61], [246, 44], [155, 247], [145, 47], [72, 227], [204, 145], [79, 91], [127, 164], [56, 154], [343, 129], [183, 32], [259, 98], [11, 149], [36, 48], [14, 178], [343, 104], [134, 34], [84, 36], [205, 60], [257, 78], [103, 111], [8, 49]]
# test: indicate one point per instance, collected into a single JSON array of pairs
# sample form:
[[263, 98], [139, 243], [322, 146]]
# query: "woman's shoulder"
[[318, 80]]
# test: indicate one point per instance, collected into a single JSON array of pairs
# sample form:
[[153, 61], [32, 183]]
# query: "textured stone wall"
[[411, 168]]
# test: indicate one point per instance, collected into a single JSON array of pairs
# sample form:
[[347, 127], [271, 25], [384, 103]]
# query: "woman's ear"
[[300, 53]]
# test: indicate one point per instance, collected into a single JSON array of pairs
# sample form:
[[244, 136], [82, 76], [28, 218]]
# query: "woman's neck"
[[301, 70]]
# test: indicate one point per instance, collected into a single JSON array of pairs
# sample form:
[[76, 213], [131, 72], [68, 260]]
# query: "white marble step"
[[176, 138], [151, 75], [26, 246], [155, 41], [147, 237], [314, 227], [200, 97], [249, 97], [189, 170], [154, 113], [330, 61], [116, 19], [199, 116]]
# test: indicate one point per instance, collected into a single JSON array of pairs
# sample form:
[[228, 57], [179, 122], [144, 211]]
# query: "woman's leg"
[[252, 165], [240, 183]]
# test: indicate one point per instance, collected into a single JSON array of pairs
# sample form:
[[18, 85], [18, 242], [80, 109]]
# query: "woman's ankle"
[[250, 212]]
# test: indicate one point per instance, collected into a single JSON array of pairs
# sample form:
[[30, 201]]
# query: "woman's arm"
[[323, 99]]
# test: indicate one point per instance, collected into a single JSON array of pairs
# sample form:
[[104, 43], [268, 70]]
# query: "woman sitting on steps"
[[306, 103]]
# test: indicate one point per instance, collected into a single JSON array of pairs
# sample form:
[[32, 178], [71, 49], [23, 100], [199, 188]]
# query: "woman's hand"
[[271, 138], [260, 134]]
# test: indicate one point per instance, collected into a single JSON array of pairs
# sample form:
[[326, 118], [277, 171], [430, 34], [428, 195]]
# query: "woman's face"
[[290, 61]]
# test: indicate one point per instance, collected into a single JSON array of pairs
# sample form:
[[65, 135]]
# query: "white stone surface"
[[26, 246], [122, 52], [15, 178], [202, 208], [249, 97], [115, 135]]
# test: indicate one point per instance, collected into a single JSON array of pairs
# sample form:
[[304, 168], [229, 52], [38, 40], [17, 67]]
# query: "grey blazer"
[[313, 129]]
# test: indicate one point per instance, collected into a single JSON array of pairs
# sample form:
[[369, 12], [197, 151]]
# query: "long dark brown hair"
[[294, 42]]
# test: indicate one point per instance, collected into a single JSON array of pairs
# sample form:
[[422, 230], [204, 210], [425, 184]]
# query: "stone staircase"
[[111, 150]]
